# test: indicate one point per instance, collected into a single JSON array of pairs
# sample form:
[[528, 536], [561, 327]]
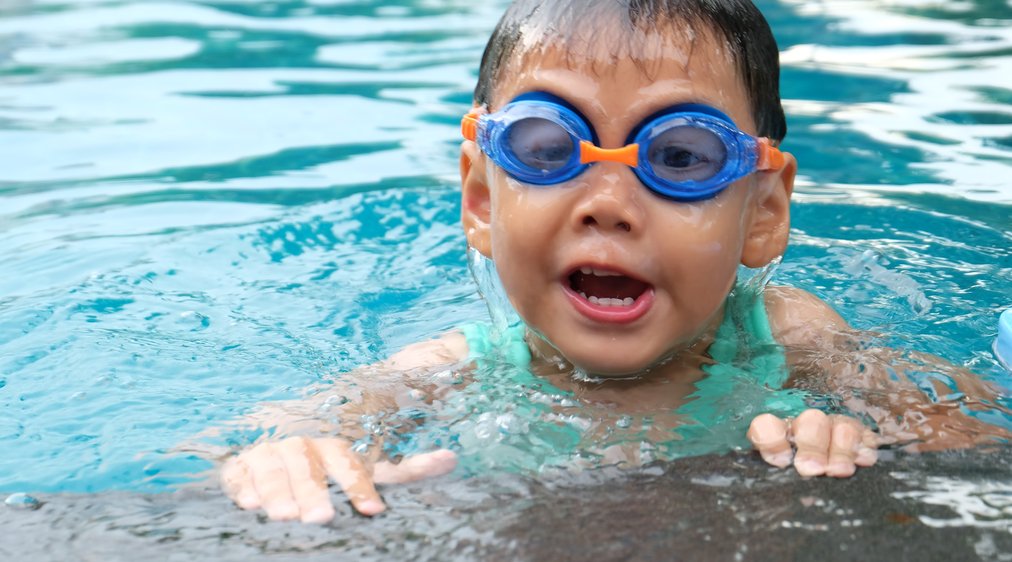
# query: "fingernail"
[[248, 500], [809, 467], [447, 459], [283, 510], [840, 469], [320, 515], [370, 507], [780, 460], [866, 456]]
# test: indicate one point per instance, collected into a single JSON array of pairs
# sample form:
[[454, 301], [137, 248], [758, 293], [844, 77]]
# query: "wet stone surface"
[[951, 506]]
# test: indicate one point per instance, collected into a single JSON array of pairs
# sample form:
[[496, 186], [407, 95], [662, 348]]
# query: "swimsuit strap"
[[482, 342], [749, 367]]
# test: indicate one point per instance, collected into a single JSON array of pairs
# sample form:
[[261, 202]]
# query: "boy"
[[621, 161]]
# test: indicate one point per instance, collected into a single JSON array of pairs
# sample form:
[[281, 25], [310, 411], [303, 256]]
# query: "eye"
[[540, 144], [678, 157], [687, 153]]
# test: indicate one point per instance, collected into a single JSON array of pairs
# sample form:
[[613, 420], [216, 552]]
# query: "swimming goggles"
[[687, 152]]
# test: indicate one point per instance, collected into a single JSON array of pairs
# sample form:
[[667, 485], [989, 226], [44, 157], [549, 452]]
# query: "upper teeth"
[[599, 272]]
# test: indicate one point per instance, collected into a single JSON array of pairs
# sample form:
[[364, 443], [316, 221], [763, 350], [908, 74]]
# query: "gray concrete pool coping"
[[947, 506]]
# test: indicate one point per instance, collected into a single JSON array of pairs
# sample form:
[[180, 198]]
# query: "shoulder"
[[444, 350], [799, 318]]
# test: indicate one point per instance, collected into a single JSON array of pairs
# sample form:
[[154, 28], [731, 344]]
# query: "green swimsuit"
[[747, 376], [745, 379]]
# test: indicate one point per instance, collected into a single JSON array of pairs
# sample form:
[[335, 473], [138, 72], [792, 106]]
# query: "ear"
[[475, 199], [766, 238]]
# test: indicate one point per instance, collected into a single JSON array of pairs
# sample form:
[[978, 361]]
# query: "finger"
[[346, 468], [270, 477], [812, 434], [417, 467], [769, 435], [845, 441], [307, 479], [237, 482], [867, 451]]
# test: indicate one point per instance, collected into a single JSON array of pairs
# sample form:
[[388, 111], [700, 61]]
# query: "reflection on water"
[[974, 504], [921, 108], [205, 205], [104, 93]]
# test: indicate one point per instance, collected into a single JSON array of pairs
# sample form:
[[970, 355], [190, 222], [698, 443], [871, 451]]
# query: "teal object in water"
[[510, 345], [745, 379], [745, 351], [1003, 343], [169, 284]]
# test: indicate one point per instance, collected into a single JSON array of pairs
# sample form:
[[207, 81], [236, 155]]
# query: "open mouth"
[[606, 288]]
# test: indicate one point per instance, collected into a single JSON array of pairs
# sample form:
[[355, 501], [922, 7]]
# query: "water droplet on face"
[[624, 422], [22, 501]]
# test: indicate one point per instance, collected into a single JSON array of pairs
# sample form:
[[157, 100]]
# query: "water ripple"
[[208, 204]]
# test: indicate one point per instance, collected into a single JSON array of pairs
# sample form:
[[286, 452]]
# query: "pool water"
[[209, 205]]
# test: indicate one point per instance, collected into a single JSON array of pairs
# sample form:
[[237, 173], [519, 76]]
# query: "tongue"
[[617, 287]]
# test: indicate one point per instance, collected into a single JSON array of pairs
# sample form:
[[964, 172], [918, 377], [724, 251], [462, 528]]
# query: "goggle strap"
[[769, 156], [628, 155], [469, 126]]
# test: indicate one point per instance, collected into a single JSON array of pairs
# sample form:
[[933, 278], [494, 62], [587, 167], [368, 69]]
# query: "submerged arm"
[[830, 358], [287, 477]]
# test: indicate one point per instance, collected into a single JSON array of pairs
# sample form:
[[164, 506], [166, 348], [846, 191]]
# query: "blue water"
[[205, 206]]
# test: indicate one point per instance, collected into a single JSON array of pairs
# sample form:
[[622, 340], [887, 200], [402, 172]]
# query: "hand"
[[288, 478], [826, 445]]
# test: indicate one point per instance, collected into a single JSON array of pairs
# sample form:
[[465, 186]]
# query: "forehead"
[[610, 71]]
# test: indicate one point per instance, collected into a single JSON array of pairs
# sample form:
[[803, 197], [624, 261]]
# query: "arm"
[[287, 478], [828, 356]]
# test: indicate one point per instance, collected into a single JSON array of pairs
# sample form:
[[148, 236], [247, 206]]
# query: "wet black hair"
[[739, 23]]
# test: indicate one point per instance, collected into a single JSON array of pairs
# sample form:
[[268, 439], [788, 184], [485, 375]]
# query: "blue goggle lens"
[[676, 152], [540, 144], [682, 153]]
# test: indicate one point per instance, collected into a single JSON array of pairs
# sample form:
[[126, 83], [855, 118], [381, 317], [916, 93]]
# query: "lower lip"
[[612, 314]]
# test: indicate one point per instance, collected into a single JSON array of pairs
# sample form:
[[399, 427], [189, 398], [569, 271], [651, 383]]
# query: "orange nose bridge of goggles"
[[628, 155]]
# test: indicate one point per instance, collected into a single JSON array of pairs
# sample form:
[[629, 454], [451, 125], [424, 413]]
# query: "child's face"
[[676, 261]]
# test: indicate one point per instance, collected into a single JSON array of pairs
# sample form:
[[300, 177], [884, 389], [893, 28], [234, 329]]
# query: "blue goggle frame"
[[743, 153]]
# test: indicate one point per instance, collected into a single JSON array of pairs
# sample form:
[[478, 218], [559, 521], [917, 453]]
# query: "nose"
[[610, 200]]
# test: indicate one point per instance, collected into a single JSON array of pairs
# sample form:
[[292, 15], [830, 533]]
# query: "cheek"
[[515, 258], [704, 252], [718, 249], [711, 270], [709, 233], [522, 221], [518, 243]]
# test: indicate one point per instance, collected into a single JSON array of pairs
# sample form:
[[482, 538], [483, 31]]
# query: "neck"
[[665, 383]]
